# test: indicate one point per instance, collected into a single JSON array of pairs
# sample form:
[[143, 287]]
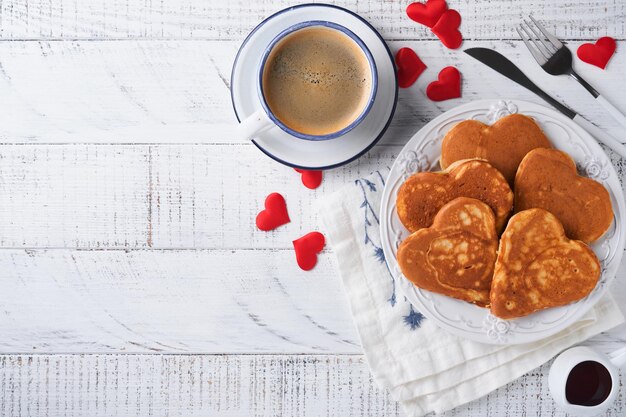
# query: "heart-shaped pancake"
[[424, 193], [456, 255], [503, 144], [547, 179], [539, 267]]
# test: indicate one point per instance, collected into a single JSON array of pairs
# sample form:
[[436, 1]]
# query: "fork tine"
[[545, 42], [540, 56], [553, 39]]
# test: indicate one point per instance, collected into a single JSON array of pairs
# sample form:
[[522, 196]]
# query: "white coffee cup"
[[584, 382], [264, 118]]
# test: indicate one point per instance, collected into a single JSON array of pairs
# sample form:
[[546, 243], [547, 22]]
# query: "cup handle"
[[254, 124], [618, 358]]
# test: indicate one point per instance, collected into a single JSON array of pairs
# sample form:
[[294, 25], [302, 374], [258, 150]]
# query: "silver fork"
[[556, 59]]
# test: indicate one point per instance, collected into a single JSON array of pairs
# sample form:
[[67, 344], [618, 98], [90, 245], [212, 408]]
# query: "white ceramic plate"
[[422, 153], [300, 153]]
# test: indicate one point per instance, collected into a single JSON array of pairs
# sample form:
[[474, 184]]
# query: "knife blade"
[[498, 62], [504, 66]]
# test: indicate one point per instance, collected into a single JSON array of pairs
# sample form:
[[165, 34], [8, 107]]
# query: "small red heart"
[[447, 86], [447, 29], [310, 179], [427, 14], [307, 247], [598, 54], [275, 213], [410, 67]]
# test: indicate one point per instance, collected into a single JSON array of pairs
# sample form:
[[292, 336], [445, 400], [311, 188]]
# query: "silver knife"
[[501, 64]]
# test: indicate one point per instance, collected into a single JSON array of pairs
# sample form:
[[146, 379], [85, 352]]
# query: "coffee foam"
[[317, 81]]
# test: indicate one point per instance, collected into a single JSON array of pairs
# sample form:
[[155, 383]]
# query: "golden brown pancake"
[[539, 267], [503, 144], [456, 255], [424, 193], [547, 179]]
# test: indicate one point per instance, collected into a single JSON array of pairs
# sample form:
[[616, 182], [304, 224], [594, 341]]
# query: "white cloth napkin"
[[423, 367]]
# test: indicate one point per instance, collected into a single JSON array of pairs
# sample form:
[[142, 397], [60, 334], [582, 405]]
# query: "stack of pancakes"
[[465, 245]]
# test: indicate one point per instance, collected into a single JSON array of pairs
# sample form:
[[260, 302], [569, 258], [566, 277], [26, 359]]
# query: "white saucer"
[[300, 153], [422, 153]]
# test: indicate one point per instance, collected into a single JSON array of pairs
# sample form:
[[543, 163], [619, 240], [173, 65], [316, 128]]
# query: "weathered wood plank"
[[178, 92], [188, 19], [171, 301], [158, 196], [218, 301], [231, 385], [209, 196], [94, 196]]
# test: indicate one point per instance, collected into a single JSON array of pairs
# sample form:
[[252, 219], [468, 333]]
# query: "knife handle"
[[613, 111], [600, 135]]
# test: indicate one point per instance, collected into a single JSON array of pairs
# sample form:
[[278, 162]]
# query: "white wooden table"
[[132, 279]]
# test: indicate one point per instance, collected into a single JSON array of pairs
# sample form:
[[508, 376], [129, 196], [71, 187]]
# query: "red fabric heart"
[[310, 179], [598, 54], [427, 14], [410, 67], [307, 247], [447, 86], [275, 213], [447, 29]]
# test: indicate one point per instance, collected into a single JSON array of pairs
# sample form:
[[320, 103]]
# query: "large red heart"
[[275, 213], [447, 29], [427, 14], [310, 179], [410, 67], [598, 54], [307, 247], [447, 86]]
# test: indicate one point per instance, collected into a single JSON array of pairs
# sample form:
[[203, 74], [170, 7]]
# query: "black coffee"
[[589, 383]]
